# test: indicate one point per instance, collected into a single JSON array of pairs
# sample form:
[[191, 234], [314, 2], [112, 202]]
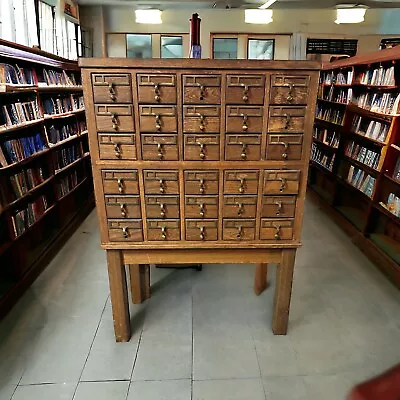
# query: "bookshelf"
[[45, 176], [355, 158]]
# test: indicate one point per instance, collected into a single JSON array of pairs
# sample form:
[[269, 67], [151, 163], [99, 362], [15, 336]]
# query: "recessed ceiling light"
[[257, 16], [350, 15], [267, 4], [148, 16]]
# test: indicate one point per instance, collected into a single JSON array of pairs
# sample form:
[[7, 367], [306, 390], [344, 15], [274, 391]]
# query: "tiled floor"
[[203, 335]]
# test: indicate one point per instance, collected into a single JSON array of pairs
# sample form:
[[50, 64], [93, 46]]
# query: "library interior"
[[199, 200]]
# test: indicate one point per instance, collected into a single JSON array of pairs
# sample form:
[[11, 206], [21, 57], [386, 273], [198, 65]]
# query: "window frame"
[[174, 35], [259, 38], [212, 50], [139, 34]]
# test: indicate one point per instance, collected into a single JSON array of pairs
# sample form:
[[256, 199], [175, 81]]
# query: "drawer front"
[[244, 119], [242, 147], [286, 119], [114, 118], [201, 119], [160, 147], [239, 229], [162, 206], [240, 206], [125, 230], [276, 229], [202, 230], [161, 182], [202, 89], [201, 182], [245, 89], [240, 182], [112, 88], [157, 88], [120, 181], [289, 89], [278, 207], [163, 230], [284, 147], [201, 147], [281, 182], [201, 206], [123, 206], [117, 146], [158, 119]]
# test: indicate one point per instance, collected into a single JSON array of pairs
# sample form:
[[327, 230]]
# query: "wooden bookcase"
[[49, 175], [360, 205]]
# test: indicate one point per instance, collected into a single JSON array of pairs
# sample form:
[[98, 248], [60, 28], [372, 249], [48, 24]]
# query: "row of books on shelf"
[[338, 95], [66, 184], [328, 137], [57, 133], [25, 218], [384, 103], [361, 180], [341, 78], [24, 181], [63, 104], [66, 156], [20, 112], [362, 154], [16, 150], [12, 74], [378, 76], [369, 128], [330, 114], [322, 158], [392, 204]]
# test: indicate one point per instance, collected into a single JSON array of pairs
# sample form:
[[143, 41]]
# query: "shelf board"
[[324, 144], [73, 189], [395, 147], [366, 138], [26, 160], [359, 164], [332, 102], [63, 115], [21, 126], [70, 139], [371, 114], [12, 89], [375, 87], [328, 122], [348, 85], [385, 211], [321, 167], [387, 245], [56, 88], [67, 167], [354, 215], [391, 178], [343, 182]]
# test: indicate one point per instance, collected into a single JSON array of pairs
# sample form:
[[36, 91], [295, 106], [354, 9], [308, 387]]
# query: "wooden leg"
[[260, 280], [283, 292], [140, 282], [119, 296]]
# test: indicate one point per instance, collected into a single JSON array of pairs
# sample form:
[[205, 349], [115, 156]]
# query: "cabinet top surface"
[[190, 63]]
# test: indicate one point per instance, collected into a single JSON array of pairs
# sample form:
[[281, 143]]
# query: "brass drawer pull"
[[202, 151], [241, 186], [117, 150], [202, 233], [243, 155], [277, 235], [121, 185], [162, 186], [163, 232], [202, 187], [288, 119], [240, 209], [202, 122], [239, 233], [111, 90], [202, 92], [283, 184], [202, 211], [160, 151], [245, 127], [245, 93], [157, 97], [286, 148], [289, 97], [114, 121], [279, 206], [162, 210], [123, 210], [158, 122], [125, 232]]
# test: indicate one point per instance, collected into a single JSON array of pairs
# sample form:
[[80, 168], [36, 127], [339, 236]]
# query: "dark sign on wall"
[[332, 46]]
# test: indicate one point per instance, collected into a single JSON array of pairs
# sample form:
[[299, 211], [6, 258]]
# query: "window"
[[6, 20], [72, 33], [85, 42], [260, 49], [171, 47], [225, 48], [138, 46], [46, 27]]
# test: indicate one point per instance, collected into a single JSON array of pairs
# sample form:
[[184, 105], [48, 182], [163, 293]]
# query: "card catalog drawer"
[[161, 182], [117, 146], [201, 147], [201, 182], [241, 182], [201, 206], [157, 88], [239, 229], [112, 88], [118, 181], [289, 89], [199, 229], [240, 206], [123, 206], [244, 119], [202, 89], [201, 119], [276, 229], [157, 119], [114, 118], [245, 89], [163, 230], [162, 206], [278, 206], [286, 119], [125, 230], [242, 147], [159, 147], [284, 147], [281, 181]]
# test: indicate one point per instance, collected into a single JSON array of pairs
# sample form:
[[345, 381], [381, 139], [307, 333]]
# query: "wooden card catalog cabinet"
[[199, 161]]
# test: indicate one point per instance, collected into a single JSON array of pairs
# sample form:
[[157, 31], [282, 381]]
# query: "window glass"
[[171, 47], [225, 48], [19, 21], [33, 39], [138, 46], [72, 41], [46, 27], [261, 49], [6, 27]]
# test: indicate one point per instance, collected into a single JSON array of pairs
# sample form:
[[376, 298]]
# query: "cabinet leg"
[[283, 292], [140, 282], [260, 280], [119, 296]]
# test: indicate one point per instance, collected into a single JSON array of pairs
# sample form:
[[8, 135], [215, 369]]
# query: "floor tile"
[[7, 390], [160, 390], [45, 392], [285, 388], [328, 387], [102, 391]]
